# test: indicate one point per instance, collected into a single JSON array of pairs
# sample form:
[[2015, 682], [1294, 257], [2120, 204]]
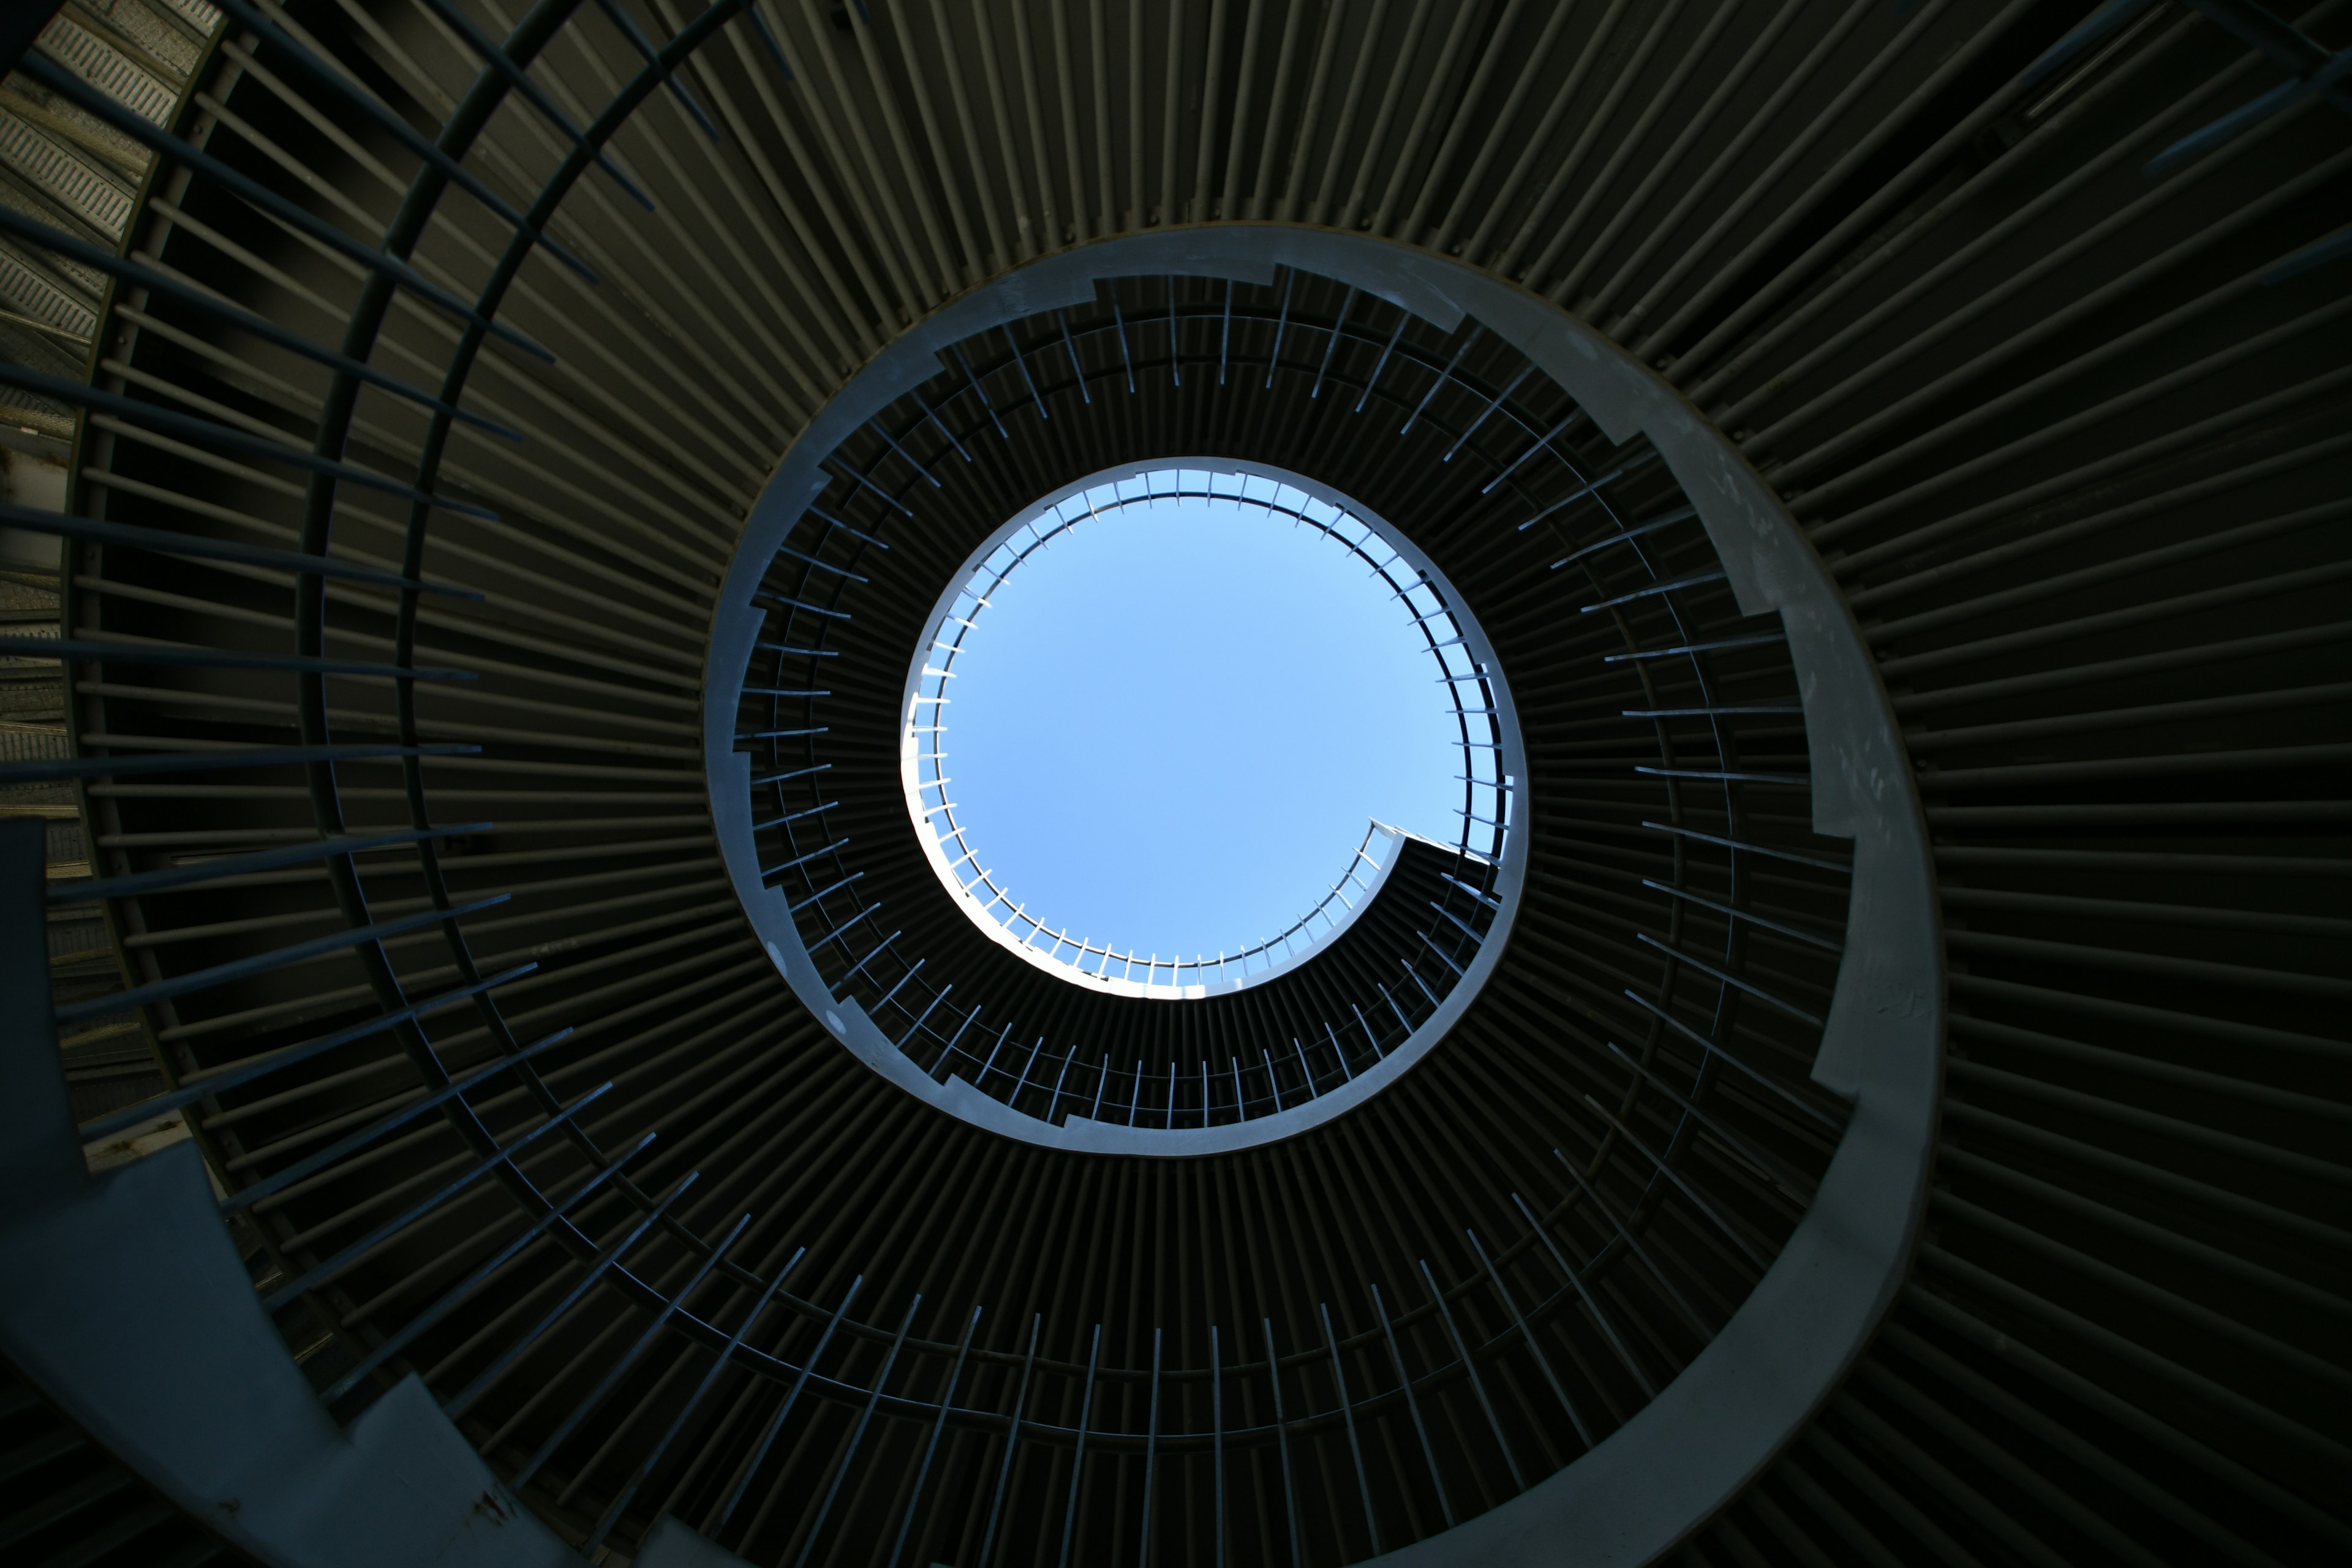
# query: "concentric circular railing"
[[1484, 813], [1933, 288]]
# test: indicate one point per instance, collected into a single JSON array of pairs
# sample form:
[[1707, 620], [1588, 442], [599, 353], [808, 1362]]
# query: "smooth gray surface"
[[123, 1299], [1732, 1410]]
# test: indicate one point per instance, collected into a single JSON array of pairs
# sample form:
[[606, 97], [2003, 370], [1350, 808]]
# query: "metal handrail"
[[984, 893]]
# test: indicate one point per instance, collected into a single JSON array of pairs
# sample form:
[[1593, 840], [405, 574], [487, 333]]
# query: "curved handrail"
[[1443, 636]]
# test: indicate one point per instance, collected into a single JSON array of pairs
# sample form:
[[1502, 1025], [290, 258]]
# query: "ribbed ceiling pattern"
[[2077, 465]]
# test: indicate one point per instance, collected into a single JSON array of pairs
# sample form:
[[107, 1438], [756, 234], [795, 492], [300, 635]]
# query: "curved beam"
[[1686, 1455]]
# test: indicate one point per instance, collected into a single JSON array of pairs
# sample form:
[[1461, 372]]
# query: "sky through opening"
[[1169, 728]]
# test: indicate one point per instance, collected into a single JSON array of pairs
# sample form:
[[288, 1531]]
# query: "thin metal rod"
[[136, 411], [1412, 1404], [269, 1062], [1667, 1171], [499, 60], [651, 1461], [1527, 1337], [1775, 1085], [1282, 1444], [1011, 1437], [455, 1296], [83, 651], [1150, 1457], [262, 963], [1216, 1444], [137, 883], [792, 1398], [939, 1427], [1591, 1305], [1470, 1370], [163, 144], [1348, 1417], [1633, 1245], [857, 1433], [620, 1368], [132, 271], [333, 1266], [291, 52], [1078, 1459], [277, 1181], [169, 541]]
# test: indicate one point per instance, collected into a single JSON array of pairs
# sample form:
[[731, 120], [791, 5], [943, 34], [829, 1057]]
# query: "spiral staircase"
[[494, 1073]]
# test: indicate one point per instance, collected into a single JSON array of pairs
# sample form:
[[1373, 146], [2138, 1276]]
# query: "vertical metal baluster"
[[1282, 1444], [891, 994], [1524, 370], [1543, 442], [1634, 1245], [487, 49], [1667, 1171], [1150, 1456], [1375, 378], [1443, 377], [1528, 1336], [1225, 344], [933, 416], [456, 1295], [620, 1368], [926, 1014], [990, 1064], [1076, 368], [1348, 1073], [978, 391], [1282, 321], [1175, 354], [1012, 1436], [333, 1266], [949, 1049], [1078, 1461], [1217, 1443], [1348, 1417], [1591, 1303], [906, 456], [1320, 371], [651, 1461], [1022, 1082], [1118, 323], [587, 1282], [857, 1433], [939, 1427], [1412, 1404], [792, 1398], [1477, 1384], [1027, 379]]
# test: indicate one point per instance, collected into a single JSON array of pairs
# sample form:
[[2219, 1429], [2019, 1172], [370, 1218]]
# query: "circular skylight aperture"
[[1171, 726]]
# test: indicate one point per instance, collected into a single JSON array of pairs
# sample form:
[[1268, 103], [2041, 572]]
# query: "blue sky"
[[1169, 728]]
